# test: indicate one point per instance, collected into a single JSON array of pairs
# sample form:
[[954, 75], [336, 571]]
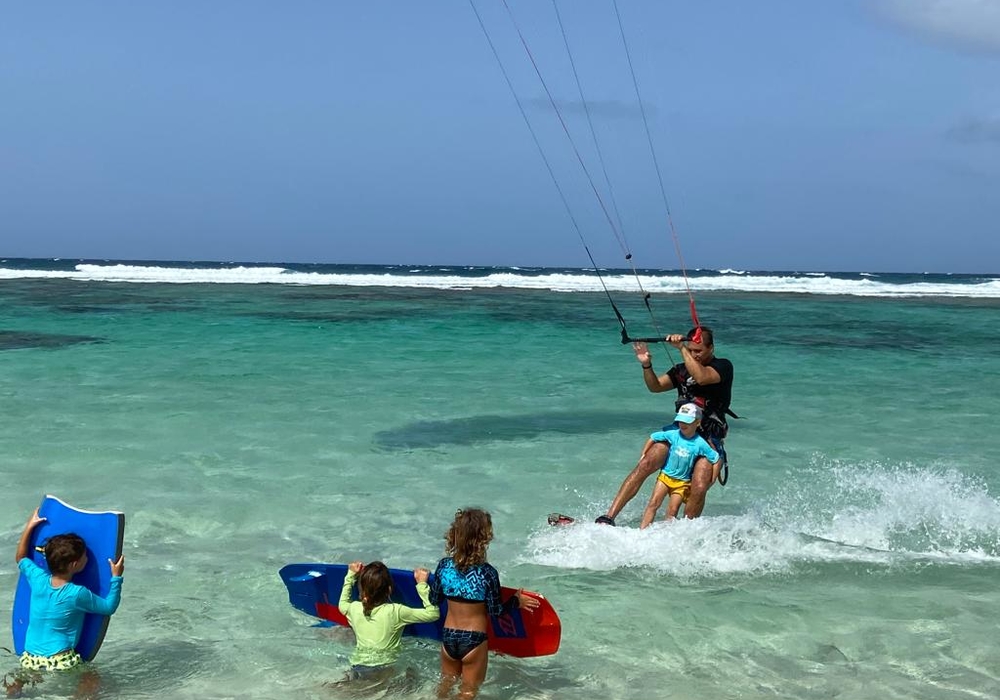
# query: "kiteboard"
[[104, 533], [315, 590], [560, 520]]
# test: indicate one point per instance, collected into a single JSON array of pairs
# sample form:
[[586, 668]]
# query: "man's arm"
[[654, 383], [703, 374]]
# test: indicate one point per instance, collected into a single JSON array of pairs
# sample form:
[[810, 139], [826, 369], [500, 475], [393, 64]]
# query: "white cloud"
[[969, 24]]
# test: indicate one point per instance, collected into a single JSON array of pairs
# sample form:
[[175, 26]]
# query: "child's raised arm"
[[23, 548], [430, 611], [345, 593]]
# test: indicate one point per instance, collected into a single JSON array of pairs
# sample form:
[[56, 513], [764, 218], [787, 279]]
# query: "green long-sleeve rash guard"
[[379, 633]]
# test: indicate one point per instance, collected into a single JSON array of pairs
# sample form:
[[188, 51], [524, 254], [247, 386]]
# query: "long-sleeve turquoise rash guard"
[[57, 614], [379, 634]]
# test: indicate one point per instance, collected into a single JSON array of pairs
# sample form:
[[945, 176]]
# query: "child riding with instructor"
[[700, 378]]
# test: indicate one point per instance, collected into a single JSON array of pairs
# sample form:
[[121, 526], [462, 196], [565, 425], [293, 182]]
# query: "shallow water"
[[241, 427]]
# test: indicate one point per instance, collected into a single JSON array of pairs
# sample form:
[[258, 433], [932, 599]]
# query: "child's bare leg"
[[473, 671], [88, 686], [655, 501], [451, 673], [13, 686], [446, 684], [673, 505], [15, 682]]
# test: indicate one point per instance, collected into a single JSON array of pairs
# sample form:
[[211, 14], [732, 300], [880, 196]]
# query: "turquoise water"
[[853, 554]]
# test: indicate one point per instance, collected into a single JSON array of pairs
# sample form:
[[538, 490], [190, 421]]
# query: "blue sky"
[[820, 135]]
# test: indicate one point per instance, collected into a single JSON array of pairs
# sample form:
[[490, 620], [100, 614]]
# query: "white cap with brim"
[[688, 413]]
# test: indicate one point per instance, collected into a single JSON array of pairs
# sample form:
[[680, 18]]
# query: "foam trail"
[[706, 547], [861, 514], [939, 514]]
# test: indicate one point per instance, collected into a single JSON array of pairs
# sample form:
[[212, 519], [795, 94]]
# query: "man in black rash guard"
[[701, 378]]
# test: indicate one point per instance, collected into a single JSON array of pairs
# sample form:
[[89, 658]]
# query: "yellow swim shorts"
[[675, 486], [63, 661]]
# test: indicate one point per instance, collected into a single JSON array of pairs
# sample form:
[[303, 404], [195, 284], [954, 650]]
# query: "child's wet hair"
[[468, 537], [374, 586], [62, 550]]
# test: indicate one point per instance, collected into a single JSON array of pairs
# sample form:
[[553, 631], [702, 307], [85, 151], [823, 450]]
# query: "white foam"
[[861, 514], [154, 274], [707, 547], [923, 512], [583, 281]]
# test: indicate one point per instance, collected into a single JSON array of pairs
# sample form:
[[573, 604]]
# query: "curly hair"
[[374, 586], [468, 537], [61, 551]]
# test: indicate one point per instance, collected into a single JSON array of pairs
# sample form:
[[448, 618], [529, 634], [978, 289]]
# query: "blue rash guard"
[[684, 452], [477, 584], [56, 618]]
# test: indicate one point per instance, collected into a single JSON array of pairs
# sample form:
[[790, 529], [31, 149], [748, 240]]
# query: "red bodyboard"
[[524, 633]]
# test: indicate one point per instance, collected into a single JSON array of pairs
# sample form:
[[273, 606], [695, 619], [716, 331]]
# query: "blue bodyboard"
[[104, 534], [315, 590]]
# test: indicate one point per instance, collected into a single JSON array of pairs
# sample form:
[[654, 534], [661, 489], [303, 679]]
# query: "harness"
[[714, 429]]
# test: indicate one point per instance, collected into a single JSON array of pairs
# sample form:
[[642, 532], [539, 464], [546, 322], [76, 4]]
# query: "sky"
[[833, 135]]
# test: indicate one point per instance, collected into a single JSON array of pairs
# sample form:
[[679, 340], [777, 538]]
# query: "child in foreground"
[[378, 623], [686, 447], [58, 605], [472, 588]]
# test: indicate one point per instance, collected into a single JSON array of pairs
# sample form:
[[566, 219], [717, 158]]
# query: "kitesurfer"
[[700, 378]]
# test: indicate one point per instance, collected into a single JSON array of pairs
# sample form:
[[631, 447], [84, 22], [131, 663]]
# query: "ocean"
[[246, 416]]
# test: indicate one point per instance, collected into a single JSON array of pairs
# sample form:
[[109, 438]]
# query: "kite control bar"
[[626, 340]]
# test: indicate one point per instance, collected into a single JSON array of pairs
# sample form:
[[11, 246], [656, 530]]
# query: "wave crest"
[[667, 282]]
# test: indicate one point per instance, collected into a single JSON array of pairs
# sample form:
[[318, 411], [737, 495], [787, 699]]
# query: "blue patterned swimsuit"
[[477, 584]]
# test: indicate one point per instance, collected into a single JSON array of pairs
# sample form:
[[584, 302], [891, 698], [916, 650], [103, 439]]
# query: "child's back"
[[378, 624], [58, 606], [57, 612]]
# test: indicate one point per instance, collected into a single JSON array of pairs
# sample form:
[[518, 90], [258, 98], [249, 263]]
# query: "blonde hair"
[[468, 537]]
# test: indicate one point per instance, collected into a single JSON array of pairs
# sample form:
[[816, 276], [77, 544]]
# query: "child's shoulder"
[[668, 433], [32, 571], [487, 568]]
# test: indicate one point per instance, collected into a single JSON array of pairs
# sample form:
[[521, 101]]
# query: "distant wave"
[[558, 280]]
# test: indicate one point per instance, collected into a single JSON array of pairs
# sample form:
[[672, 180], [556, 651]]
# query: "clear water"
[[240, 426]]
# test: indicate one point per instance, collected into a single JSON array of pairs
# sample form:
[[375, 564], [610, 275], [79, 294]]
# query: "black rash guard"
[[713, 398]]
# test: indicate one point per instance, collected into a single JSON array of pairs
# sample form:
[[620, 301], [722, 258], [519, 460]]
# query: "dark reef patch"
[[20, 340]]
